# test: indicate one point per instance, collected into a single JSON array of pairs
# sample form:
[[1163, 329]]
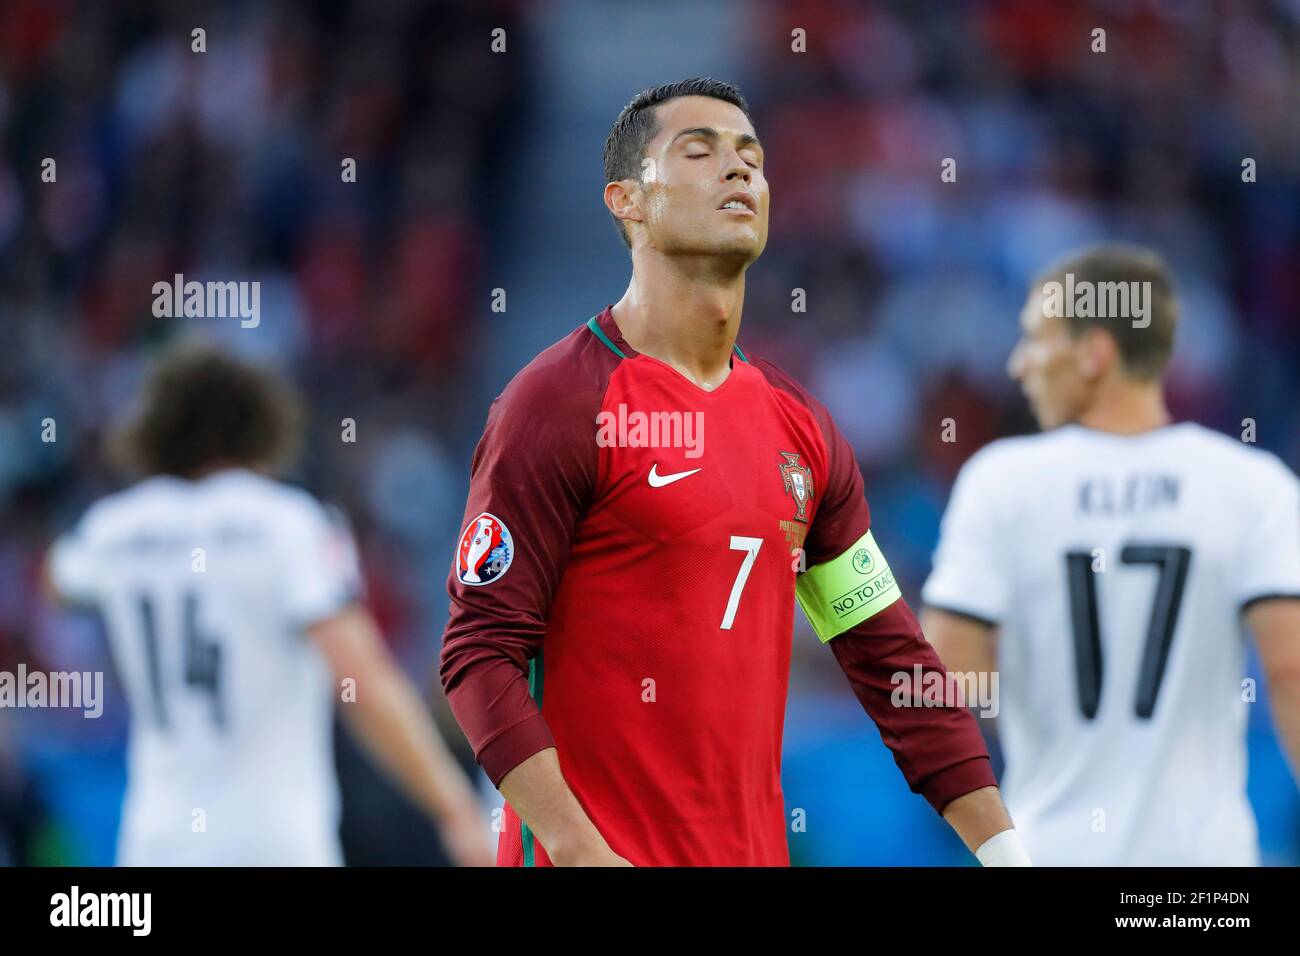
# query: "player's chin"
[[746, 248], [1049, 418]]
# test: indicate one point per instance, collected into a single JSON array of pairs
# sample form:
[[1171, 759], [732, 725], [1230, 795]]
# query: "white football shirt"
[[206, 588], [1116, 568]]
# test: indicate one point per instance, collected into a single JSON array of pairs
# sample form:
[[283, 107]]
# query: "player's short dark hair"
[[636, 126], [1144, 351], [201, 407]]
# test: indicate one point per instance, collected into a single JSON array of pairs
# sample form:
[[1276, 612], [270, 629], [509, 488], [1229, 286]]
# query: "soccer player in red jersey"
[[645, 505]]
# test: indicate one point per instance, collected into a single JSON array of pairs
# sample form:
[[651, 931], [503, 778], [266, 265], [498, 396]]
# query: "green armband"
[[845, 591]]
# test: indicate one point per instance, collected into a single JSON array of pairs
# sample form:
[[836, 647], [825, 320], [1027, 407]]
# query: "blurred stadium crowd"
[[375, 294]]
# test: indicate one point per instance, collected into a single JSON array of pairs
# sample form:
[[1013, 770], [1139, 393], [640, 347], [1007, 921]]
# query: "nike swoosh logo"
[[658, 481]]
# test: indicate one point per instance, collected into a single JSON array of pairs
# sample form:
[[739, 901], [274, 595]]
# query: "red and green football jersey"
[[624, 591]]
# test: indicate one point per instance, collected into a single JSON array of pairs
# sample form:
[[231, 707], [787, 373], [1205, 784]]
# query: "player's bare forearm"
[[977, 816], [1285, 697], [391, 721], [962, 643], [1276, 626], [965, 646], [537, 791]]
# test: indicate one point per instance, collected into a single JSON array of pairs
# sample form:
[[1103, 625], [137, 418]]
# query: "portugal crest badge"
[[798, 483]]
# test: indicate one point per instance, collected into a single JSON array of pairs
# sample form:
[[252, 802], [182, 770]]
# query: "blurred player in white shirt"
[[231, 605], [1103, 569]]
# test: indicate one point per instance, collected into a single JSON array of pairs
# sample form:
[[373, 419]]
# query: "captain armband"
[[843, 592]]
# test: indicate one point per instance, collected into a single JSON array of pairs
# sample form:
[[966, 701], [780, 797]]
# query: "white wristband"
[[1003, 849]]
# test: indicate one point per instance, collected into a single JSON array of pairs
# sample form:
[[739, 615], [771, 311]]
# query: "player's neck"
[[1126, 407], [213, 467], [689, 321]]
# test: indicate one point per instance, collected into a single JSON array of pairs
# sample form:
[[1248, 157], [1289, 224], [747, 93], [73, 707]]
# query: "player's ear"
[[1097, 352], [621, 198]]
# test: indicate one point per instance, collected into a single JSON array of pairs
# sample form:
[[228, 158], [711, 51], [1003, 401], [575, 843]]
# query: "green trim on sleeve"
[[843, 592], [526, 837]]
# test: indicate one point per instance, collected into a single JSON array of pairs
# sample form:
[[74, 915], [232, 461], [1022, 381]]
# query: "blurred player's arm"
[[968, 588], [534, 472], [390, 719], [67, 573], [967, 646], [1268, 588], [49, 587], [321, 593], [964, 644], [1276, 626]]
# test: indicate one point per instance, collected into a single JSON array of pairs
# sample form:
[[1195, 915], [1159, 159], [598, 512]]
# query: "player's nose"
[[737, 168]]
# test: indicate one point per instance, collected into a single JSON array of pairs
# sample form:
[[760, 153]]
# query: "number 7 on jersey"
[[751, 546]]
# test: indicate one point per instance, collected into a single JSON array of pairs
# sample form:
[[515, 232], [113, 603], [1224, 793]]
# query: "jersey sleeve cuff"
[[958, 780], [980, 601], [1280, 594], [512, 747]]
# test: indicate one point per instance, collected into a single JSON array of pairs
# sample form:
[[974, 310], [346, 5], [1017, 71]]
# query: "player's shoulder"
[[1017, 455], [1238, 462], [782, 381], [120, 509], [242, 495], [561, 389], [783, 384], [577, 363], [284, 504]]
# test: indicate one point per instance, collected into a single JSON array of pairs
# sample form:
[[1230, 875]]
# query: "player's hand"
[[597, 855], [465, 839]]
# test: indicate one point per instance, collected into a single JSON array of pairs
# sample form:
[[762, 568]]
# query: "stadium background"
[[480, 171]]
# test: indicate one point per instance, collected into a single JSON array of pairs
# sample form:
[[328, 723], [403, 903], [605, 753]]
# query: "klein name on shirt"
[[1129, 494]]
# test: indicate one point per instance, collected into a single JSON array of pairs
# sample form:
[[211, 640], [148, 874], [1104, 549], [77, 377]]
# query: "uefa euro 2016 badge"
[[798, 483], [485, 551]]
